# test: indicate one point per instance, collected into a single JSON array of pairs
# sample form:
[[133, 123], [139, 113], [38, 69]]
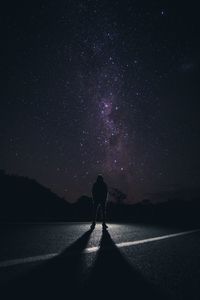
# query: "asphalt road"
[[127, 261]]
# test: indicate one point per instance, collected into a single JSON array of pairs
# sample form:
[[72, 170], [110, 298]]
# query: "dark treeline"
[[171, 212], [24, 199]]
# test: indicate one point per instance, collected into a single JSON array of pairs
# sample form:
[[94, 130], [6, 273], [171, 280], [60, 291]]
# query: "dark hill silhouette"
[[24, 199]]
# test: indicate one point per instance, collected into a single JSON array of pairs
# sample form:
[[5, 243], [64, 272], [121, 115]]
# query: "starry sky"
[[108, 87]]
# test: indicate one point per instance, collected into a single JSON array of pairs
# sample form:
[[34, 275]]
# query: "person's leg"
[[103, 209], [95, 209]]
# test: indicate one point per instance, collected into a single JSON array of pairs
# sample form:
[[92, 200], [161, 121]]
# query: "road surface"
[[128, 261]]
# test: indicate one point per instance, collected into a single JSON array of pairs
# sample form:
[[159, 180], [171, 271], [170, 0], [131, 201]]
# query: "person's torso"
[[99, 191]]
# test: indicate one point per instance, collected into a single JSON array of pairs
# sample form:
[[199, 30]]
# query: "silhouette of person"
[[99, 196]]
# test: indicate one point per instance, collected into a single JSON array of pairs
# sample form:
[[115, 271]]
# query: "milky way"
[[101, 87], [111, 135]]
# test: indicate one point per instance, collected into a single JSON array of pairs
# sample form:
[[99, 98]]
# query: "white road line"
[[17, 261]]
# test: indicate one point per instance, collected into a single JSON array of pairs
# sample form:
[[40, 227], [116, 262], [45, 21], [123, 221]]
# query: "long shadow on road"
[[110, 277], [57, 278]]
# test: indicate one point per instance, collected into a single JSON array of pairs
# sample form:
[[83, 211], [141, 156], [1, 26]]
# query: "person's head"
[[99, 178]]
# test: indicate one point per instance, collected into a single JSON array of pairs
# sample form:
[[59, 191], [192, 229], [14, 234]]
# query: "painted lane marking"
[[148, 240], [17, 261]]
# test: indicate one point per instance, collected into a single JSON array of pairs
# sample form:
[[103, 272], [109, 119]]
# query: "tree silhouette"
[[117, 195]]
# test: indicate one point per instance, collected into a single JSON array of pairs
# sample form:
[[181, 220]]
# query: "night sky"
[[108, 87]]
